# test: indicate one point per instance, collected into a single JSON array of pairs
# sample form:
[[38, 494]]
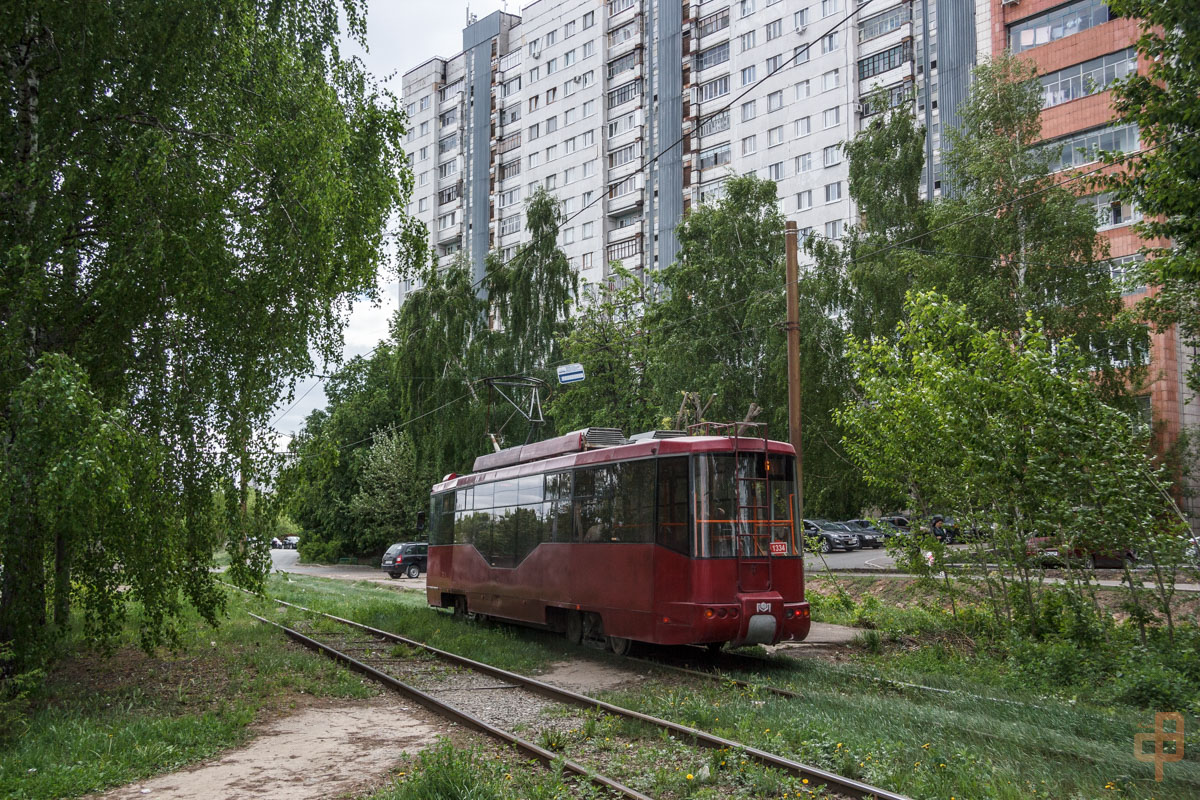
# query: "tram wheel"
[[714, 647], [574, 627], [620, 645]]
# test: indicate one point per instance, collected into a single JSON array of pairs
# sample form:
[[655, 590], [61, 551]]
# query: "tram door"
[[752, 522]]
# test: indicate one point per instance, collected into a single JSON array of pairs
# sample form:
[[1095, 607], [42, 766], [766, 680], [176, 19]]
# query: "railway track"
[[420, 672]]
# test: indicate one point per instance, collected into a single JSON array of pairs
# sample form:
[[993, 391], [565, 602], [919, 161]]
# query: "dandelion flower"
[[804, 780], [689, 776]]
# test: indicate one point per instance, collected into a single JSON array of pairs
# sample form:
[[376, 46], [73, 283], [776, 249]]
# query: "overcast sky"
[[400, 35]]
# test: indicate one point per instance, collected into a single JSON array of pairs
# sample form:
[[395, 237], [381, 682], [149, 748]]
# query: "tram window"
[[673, 503], [503, 552], [464, 500], [594, 489], [633, 501], [482, 496], [530, 527], [557, 508], [473, 527], [441, 519], [506, 493], [529, 490]]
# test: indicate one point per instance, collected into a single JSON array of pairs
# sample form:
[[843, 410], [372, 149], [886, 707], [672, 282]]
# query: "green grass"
[[96, 724], [926, 744]]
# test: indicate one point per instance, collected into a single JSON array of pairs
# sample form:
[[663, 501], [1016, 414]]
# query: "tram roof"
[[631, 451]]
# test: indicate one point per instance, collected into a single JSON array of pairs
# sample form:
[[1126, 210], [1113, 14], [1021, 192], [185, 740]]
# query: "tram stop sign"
[[570, 373]]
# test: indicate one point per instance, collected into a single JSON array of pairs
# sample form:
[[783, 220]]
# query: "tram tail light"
[[709, 613]]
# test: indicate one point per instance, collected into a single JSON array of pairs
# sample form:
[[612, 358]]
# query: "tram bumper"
[[767, 619]]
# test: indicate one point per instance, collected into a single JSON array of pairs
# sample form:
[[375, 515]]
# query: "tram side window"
[[673, 504], [474, 525], [633, 502], [441, 519], [559, 525], [529, 516], [593, 504]]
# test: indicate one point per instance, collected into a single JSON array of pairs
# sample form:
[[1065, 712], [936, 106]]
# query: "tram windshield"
[[745, 506]]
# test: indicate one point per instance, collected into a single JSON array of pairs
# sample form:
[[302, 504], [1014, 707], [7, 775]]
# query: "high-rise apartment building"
[[630, 111], [1080, 49]]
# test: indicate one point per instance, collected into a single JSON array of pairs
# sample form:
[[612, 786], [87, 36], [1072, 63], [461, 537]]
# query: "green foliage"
[[717, 332], [1164, 181], [1035, 449], [391, 492], [532, 293], [195, 193], [608, 337]]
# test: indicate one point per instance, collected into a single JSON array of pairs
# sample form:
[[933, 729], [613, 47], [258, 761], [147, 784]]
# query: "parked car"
[[406, 558], [291, 542], [834, 535], [1050, 551], [276, 544], [868, 534], [897, 524]]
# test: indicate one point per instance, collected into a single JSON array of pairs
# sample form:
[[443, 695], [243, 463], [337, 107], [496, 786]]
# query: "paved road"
[[289, 561]]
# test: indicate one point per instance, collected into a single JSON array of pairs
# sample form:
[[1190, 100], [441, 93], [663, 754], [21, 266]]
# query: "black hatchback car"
[[406, 558]]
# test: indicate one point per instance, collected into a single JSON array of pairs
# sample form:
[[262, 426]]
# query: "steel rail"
[[848, 786], [546, 757]]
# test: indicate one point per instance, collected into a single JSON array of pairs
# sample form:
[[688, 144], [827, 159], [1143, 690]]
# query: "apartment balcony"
[[626, 251], [622, 199], [617, 235]]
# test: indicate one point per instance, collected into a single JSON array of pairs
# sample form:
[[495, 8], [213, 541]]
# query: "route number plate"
[[779, 548]]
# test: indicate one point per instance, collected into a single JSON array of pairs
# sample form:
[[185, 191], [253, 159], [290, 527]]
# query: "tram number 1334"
[[779, 548]]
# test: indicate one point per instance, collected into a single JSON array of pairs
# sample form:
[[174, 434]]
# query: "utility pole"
[[795, 381]]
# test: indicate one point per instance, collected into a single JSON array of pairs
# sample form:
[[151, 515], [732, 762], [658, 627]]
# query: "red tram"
[[665, 538]]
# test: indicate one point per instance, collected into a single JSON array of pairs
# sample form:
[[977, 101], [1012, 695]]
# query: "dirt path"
[[319, 752]]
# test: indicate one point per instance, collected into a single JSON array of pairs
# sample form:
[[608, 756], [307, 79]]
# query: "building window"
[[748, 111], [714, 88], [746, 41], [801, 54], [713, 23], [551, 96], [622, 124], [1056, 24], [622, 156], [884, 22], [511, 197], [803, 89], [1085, 147], [623, 94], [551, 67], [509, 170], [569, 29], [884, 60], [570, 116], [747, 75], [830, 7], [774, 29], [804, 163], [587, 230], [589, 49], [775, 171], [833, 192], [1090, 77], [832, 116], [568, 236], [715, 124], [831, 80], [534, 159], [551, 125], [803, 126], [448, 169], [510, 224], [623, 63], [832, 155], [830, 42], [617, 6], [425, 128], [425, 102], [447, 220], [423, 204], [775, 136], [749, 145], [833, 230], [804, 200], [746, 8], [551, 37], [774, 64], [589, 19], [1126, 274], [622, 34], [775, 100], [715, 156], [568, 58], [534, 102], [1111, 212], [589, 108], [718, 54]]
